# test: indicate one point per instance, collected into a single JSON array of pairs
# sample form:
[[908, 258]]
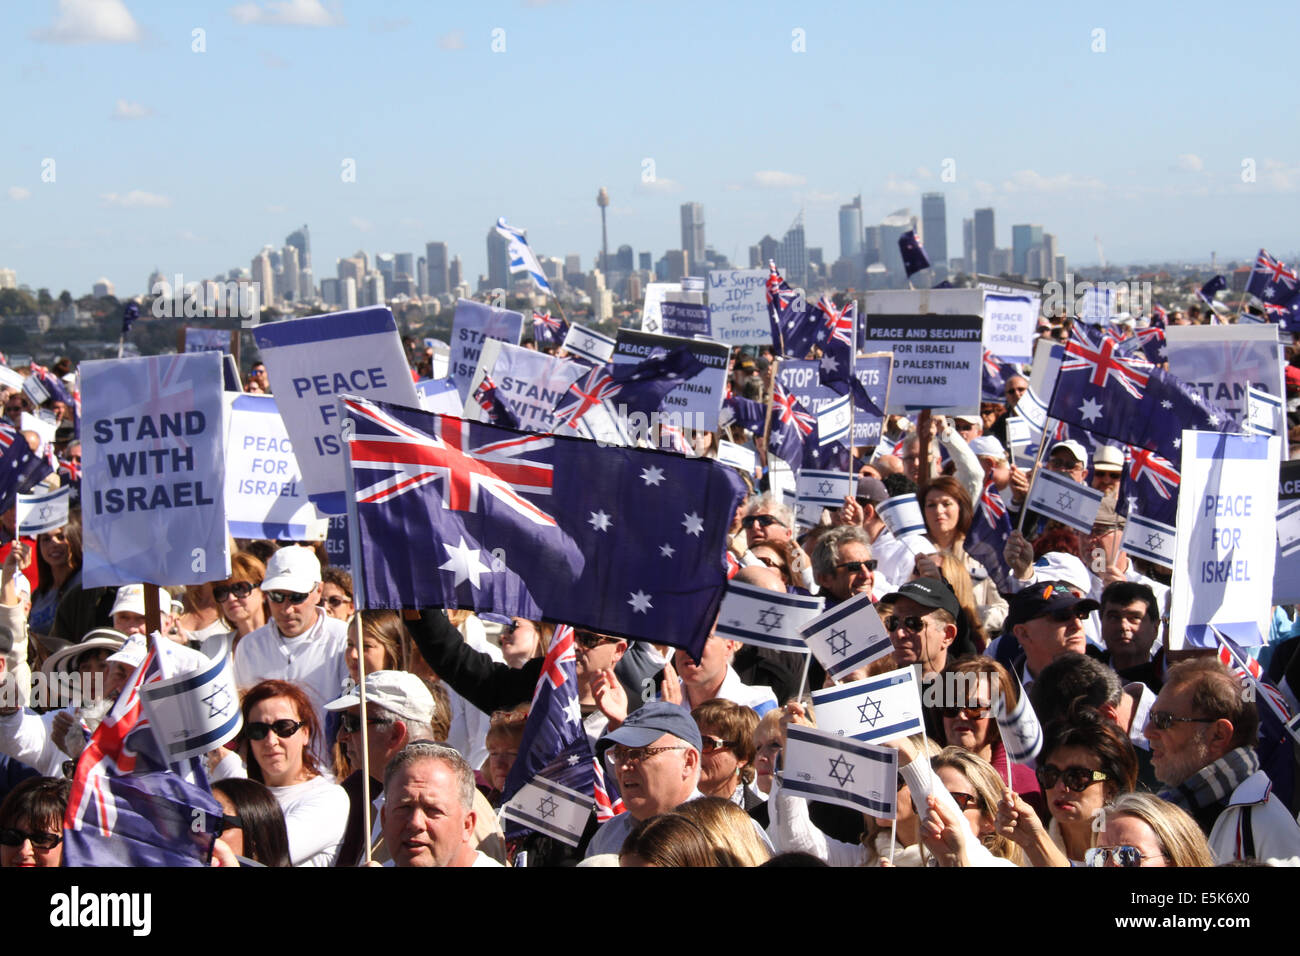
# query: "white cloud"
[[455, 40], [136, 198], [772, 178], [1280, 176], [91, 21], [276, 208], [365, 225], [1190, 162], [660, 184], [288, 13], [921, 172], [1030, 181], [18, 193], [125, 110]]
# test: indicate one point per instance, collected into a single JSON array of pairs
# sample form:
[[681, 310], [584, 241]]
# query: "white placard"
[[738, 306], [938, 360]]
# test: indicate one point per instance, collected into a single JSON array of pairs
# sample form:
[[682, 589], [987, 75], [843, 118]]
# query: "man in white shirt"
[[301, 643]]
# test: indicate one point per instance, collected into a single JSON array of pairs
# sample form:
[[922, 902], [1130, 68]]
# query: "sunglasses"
[[240, 589], [284, 729], [974, 711], [1076, 779], [293, 597], [967, 801], [714, 744], [352, 723], [1125, 856], [40, 841], [763, 521], [333, 600], [855, 567], [1061, 615], [1163, 720], [588, 640], [914, 624]]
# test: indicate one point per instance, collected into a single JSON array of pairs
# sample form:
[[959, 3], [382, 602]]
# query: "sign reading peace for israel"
[[738, 306], [531, 383], [1222, 361], [153, 472], [471, 326], [265, 495], [1227, 539], [311, 360], [1011, 311], [700, 396], [938, 360]]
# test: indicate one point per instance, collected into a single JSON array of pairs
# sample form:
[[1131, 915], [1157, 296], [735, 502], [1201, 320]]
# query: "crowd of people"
[[1150, 756]]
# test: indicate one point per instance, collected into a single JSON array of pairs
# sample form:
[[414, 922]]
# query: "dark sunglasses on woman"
[[240, 589], [283, 728]]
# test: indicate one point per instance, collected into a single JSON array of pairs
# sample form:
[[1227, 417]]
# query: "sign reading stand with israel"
[[311, 360], [472, 325], [1227, 540], [152, 495]]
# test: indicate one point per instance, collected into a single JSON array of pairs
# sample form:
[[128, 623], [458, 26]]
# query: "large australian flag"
[[460, 514]]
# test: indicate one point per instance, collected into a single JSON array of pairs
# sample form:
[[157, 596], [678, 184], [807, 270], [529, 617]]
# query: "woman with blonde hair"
[[729, 829], [1140, 829], [977, 789]]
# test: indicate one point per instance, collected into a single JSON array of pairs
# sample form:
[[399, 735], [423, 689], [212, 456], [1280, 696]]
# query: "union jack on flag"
[[839, 322], [1270, 280], [1159, 472], [594, 388], [791, 412], [1101, 361]]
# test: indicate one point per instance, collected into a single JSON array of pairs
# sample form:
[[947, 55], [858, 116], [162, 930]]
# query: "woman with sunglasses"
[[336, 593], [31, 822], [279, 724], [727, 758], [522, 640], [254, 823], [1140, 829], [239, 597], [946, 508]]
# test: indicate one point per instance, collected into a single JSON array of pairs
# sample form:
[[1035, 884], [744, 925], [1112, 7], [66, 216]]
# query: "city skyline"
[[164, 162]]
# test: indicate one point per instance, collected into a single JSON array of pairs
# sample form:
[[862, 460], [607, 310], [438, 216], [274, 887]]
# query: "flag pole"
[[767, 418], [1038, 458], [803, 678], [358, 605], [893, 835], [923, 475]]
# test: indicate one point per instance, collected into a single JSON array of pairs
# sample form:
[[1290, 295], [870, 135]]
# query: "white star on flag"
[[829, 364], [693, 524], [1166, 404], [463, 561], [667, 550], [1090, 410], [1178, 443], [573, 711], [652, 475], [1213, 420], [599, 520], [640, 602]]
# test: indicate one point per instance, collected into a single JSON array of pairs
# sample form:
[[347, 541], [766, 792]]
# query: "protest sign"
[[1286, 575], [338, 543], [208, 340], [656, 293], [531, 383], [473, 323], [802, 379], [1222, 361], [265, 495], [924, 302], [1227, 540], [874, 372], [439, 395], [440, 358], [699, 397], [1011, 311], [153, 472], [738, 306], [938, 360], [311, 360], [685, 319]]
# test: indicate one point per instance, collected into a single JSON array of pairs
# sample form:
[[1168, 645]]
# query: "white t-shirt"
[[316, 816]]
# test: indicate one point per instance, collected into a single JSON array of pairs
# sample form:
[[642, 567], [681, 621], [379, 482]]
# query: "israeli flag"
[[766, 618], [1288, 527], [588, 345], [835, 421], [847, 637], [548, 807], [820, 489], [38, 514], [876, 709], [1022, 734], [1150, 540], [522, 258], [902, 515], [1033, 410], [196, 710], [829, 769], [1065, 500], [1264, 412]]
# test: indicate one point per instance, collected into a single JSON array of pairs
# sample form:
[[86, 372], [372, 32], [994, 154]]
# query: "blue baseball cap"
[[648, 723]]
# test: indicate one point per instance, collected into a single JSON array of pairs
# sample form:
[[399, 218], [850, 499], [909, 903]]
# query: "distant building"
[[376, 289], [1001, 262], [263, 278], [624, 259], [693, 233], [851, 229], [8, 279], [435, 257], [677, 264], [871, 245], [352, 268], [645, 261], [985, 241], [455, 274], [1023, 238], [300, 239], [792, 255], [498, 257], [329, 291], [767, 247], [348, 293], [100, 289], [934, 226], [288, 276], [968, 244]]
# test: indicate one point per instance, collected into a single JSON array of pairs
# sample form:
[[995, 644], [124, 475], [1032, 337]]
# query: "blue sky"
[[190, 162]]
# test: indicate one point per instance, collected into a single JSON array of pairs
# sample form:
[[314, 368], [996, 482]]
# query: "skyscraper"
[[892, 228], [871, 245], [435, 260], [851, 229], [455, 274], [792, 254], [985, 241], [968, 243], [623, 259], [300, 239], [498, 257], [645, 261], [1023, 238], [386, 264], [289, 273], [934, 225], [263, 277], [767, 247], [693, 235]]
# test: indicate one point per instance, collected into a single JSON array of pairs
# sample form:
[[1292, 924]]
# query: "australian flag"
[[20, 468], [1211, 288], [130, 313], [791, 425], [1159, 317], [745, 412], [489, 399], [1151, 483], [1150, 342], [988, 535], [1271, 281], [548, 332], [914, 257], [837, 338], [459, 514], [993, 387], [129, 806], [1118, 396]]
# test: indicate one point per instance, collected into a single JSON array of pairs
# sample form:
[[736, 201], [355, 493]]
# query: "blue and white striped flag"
[[1264, 412], [1022, 734], [755, 615], [548, 807], [835, 421], [830, 769], [38, 514], [196, 710], [1150, 540], [847, 637], [522, 258], [1065, 500], [821, 489], [589, 346], [875, 709]]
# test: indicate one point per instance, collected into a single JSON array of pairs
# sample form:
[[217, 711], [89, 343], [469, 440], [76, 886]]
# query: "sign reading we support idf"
[[311, 360], [1227, 539], [738, 306], [1011, 311], [1222, 362], [265, 495], [531, 383], [152, 496], [471, 326], [699, 397], [938, 360]]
